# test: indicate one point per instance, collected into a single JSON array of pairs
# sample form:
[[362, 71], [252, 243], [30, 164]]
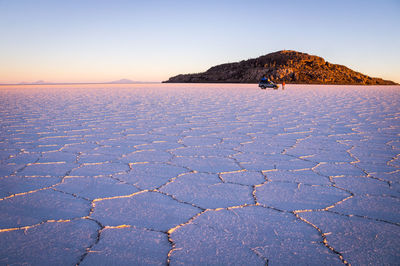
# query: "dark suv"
[[267, 84]]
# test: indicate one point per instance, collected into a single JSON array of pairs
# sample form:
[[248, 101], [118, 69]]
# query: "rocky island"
[[288, 66]]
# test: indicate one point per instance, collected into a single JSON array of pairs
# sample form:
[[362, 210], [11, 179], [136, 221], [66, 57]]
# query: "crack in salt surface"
[[324, 241], [363, 216]]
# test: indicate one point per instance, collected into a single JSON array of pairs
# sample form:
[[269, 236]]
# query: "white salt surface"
[[199, 174]]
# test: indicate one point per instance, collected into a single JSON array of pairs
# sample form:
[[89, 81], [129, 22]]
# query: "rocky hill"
[[288, 66]]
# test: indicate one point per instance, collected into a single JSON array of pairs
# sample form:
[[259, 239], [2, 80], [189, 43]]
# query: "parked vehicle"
[[267, 84]]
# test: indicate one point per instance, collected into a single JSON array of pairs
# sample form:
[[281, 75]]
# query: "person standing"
[[283, 85]]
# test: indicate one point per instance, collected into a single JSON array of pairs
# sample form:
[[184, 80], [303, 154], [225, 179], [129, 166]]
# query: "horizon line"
[[78, 83]]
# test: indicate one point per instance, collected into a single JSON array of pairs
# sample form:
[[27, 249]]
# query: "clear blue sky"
[[83, 40]]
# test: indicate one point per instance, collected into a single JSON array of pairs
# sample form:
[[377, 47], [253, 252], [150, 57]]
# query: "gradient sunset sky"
[[98, 41]]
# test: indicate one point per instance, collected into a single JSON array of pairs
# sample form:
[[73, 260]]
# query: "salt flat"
[[199, 174]]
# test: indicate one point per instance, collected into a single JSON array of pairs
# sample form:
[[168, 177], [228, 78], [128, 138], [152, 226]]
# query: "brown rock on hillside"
[[288, 66]]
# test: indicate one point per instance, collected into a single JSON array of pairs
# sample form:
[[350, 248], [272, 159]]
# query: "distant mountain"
[[41, 82], [288, 66], [122, 81]]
